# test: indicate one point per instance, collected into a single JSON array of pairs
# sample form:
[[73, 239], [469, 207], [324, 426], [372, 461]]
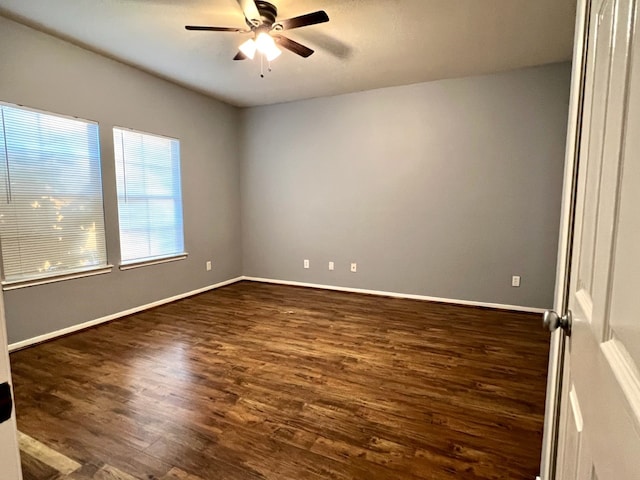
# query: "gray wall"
[[39, 71], [444, 189]]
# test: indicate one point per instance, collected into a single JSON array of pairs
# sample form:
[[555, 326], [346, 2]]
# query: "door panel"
[[599, 433], [571, 423], [591, 164], [625, 313], [622, 351]]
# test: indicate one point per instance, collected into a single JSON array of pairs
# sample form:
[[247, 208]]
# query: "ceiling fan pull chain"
[[261, 65]]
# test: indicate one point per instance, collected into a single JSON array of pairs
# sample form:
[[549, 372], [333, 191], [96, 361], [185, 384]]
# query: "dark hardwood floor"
[[256, 381]]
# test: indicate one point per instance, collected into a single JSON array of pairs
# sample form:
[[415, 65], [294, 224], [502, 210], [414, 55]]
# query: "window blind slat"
[[51, 209]]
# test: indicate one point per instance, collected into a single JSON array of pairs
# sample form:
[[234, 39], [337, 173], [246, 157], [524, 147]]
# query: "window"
[[149, 196], [51, 212]]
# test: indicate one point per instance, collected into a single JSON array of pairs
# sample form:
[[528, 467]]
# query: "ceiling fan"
[[261, 21]]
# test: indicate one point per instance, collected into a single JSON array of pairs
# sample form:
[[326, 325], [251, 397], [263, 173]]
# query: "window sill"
[[32, 282], [152, 261]]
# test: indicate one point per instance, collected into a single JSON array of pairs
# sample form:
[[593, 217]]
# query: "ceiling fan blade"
[[240, 56], [213, 29], [304, 20], [250, 10], [293, 46]]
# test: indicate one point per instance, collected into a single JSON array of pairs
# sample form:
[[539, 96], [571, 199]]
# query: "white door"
[[599, 424], [9, 456]]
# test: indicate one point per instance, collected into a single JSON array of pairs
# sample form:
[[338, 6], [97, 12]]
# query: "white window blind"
[[51, 211], [149, 196]]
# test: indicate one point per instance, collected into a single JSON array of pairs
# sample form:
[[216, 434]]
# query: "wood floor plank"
[[255, 381], [46, 455], [177, 474], [34, 469]]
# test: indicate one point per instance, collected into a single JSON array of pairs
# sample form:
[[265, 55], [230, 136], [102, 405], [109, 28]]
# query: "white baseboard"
[[516, 308], [92, 323]]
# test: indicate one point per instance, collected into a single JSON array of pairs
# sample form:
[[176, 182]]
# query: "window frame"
[[159, 259], [106, 267]]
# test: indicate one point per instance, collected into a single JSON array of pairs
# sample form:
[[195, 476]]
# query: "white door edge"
[[554, 375]]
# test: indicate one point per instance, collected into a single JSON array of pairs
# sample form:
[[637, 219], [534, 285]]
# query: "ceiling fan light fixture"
[[272, 54], [249, 48], [267, 46]]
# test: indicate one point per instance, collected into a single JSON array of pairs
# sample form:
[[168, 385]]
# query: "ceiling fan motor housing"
[[268, 12]]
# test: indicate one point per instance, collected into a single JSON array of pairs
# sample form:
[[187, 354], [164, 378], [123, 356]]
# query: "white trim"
[[575, 408], [626, 374], [554, 374], [159, 135], [32, 282], [46, 112], [152, 261], [91, 323], [411, 296]]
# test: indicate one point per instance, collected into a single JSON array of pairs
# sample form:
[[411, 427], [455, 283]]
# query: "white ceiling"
[[367, 44]]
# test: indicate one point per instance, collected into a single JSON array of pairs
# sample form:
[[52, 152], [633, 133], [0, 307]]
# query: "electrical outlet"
[[306, 263], [208, 265], [331, 266], [354, 267], [515, 281]]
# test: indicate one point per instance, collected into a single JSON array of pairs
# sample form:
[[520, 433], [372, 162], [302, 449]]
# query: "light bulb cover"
[[273, 53], [264, 42], [267, 46], [249, 48]]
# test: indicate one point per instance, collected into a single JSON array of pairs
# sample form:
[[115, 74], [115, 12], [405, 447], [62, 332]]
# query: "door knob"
[[552, 320]]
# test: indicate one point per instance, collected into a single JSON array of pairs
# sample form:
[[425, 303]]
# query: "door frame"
[[8, 429], [565, 241]]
